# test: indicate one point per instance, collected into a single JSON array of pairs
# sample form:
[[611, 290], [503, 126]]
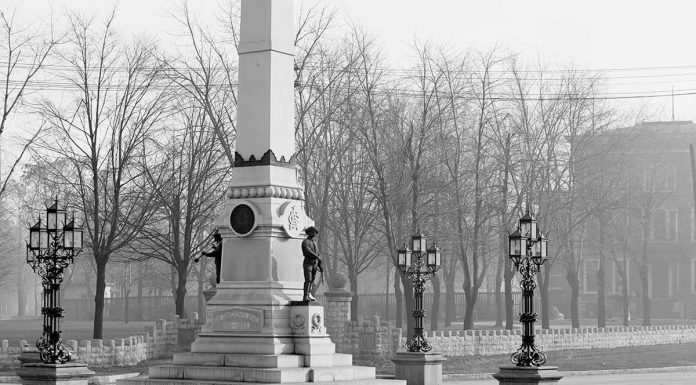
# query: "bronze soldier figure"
[[311, 263], [215, 251]]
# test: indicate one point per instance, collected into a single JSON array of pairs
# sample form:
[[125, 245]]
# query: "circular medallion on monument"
[[242, 219], [294, 219]]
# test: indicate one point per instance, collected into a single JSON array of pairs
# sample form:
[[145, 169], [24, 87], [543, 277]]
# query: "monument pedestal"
[[50, 374], [419, 368], [527, 375], [234, 357]]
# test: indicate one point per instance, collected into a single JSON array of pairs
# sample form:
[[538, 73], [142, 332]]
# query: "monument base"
[[308, 355], [419, 368], [527, 375], [48, 374]]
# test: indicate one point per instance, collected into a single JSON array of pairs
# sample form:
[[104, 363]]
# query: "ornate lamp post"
[[528, 253], [419, 264], [51, 248]]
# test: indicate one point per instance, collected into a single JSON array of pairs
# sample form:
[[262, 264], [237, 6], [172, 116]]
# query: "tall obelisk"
[[263, 219], [254, 332]]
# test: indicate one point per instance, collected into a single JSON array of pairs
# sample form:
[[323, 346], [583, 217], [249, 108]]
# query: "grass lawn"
[[29, 329], [655, 356]]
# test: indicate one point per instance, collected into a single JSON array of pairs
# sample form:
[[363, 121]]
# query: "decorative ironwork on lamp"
[[52, 246], [419, 264], [528, 251]]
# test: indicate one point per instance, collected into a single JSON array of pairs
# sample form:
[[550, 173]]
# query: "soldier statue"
[[215, 251], [310, 264]]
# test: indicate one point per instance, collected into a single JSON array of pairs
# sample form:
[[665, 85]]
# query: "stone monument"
[[257, 328]]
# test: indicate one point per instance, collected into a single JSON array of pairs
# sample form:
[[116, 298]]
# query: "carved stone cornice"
[[265, 192], [268, 159]]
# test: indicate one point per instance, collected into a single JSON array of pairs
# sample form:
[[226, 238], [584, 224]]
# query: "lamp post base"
[[419, 368], [54, 374], [527, 375]]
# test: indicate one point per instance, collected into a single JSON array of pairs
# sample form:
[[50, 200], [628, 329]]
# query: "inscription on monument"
[[238, 319]]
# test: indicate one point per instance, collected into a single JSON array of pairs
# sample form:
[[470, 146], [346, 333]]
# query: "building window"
[[589, 276], [660, 177], [673, 279], [664, 225]]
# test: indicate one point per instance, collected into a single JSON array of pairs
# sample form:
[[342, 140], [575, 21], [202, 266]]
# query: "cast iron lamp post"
[[412, 264], [528, 253], [51, 248]]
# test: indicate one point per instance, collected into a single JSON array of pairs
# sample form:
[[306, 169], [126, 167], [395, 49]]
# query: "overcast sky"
[[628, 38]]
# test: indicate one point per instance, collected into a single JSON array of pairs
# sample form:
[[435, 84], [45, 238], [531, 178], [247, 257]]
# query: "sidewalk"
[[680, 375]]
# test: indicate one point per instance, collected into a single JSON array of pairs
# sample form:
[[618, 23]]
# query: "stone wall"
[[370, 341], [374, 341], [490, 342], [158, 341], [336, 314]]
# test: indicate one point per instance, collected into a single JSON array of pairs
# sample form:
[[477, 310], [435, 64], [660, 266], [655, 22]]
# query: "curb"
[[573, 373], [95, 380]]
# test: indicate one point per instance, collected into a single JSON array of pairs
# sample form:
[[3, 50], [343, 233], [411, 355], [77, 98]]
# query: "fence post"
[[338, 301]]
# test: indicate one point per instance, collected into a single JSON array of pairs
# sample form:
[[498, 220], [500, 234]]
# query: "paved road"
[[663, 378]]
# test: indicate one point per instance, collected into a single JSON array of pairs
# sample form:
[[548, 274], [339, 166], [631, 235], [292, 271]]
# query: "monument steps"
[[263, 360], [164, 381], [262, 375]]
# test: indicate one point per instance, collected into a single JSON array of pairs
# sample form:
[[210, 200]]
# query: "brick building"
[[655, 198]]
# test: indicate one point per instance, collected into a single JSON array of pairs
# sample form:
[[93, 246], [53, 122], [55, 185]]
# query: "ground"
[[29, 329], [655, 356], [567, 360]]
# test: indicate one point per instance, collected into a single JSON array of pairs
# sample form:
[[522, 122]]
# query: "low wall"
[[373, 341], [158, 341], [490, 342]]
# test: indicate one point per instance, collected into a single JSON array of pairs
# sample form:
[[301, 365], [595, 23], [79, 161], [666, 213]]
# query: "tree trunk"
[[21, 294], [601, 296], [643, 270], [544, 296], [126, 307], [574, 283], [202, 268], [399, 296], [499, 300], [450, 302], [98, 330], [181, 292], [354, 302], [139, 315], [625, 297], [470, 297], [435, 313], [601, 274], [509, 274], [645, 289], [386, 298]]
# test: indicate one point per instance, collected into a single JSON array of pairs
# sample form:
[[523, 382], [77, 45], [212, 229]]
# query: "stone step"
[[341, 373], [230, 373], [241, 360], [263, 360], [265, 375], [333, 359], [156, 381]]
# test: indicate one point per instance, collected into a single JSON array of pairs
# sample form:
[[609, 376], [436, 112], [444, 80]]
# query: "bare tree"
[[354, 219], [185, 172], [118, 100], [24, 54], [207, 71], [373, 109]]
